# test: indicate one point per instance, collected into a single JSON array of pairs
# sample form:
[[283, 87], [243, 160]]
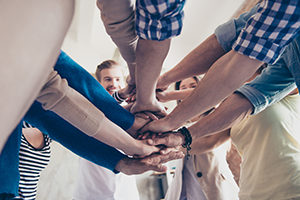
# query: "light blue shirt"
[[277, 80]]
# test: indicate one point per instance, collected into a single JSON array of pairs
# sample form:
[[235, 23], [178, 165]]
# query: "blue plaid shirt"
[[159, 19], [267, 32], [277, 80]]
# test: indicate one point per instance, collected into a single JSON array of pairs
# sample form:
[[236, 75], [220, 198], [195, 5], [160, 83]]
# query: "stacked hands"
[[156, 144]]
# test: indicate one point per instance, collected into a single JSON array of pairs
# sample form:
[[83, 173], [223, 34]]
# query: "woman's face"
[[188, 83]]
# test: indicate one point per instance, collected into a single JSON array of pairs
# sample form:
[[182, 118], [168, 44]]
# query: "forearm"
[[224, 77], [150, 57], [196, 62], [114, 136], [209, 143], [233, 110], [174, 95]]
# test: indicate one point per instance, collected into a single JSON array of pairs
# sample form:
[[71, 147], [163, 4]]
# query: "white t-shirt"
[[96, 182]]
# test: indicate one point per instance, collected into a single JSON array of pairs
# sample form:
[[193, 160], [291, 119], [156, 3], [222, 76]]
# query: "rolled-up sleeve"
[[159, 19], [267, 32], [275, 82], [63, 100], [228, 32]]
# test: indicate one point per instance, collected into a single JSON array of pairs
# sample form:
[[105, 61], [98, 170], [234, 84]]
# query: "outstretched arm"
[[233, 110], [195, 63], [165, 96], [224, 77]]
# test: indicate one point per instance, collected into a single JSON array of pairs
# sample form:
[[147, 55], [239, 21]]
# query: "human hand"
[[157, 126], [153, 162], [162, 83], [155, 108], [144, 149], [162, 96], [127, 92], [140, 120], [168, 139]]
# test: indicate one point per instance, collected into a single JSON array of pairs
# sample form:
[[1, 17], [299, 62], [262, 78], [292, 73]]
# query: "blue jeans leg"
[[9, 164]]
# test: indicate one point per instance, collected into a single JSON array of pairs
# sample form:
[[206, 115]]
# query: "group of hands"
[[157, 144]]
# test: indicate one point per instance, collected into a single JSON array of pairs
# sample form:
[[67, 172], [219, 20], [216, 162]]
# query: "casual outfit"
[[152, 20], [32, 162], [277, 80], [275, 24], [61, 131], [269, 144], [204, 177], [269, 141], [159, 20], [47, 121]]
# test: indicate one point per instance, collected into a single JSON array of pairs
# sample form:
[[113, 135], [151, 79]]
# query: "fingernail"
[[150, 141]]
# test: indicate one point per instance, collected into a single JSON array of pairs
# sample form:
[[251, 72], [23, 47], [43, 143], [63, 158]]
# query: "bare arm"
[[224, 77], [233, 110], [217, 124], [196, 62], [173, 95], [209, 143]]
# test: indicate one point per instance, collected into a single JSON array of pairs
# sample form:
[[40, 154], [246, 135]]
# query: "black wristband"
[[188, 139]]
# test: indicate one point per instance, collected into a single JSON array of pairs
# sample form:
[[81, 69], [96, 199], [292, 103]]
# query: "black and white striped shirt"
[[32, 162]]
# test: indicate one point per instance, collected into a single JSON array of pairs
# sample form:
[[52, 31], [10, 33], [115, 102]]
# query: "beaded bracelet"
[[188, 139]]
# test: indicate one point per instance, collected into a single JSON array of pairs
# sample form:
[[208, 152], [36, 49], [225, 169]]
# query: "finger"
[[146, 135], [151, 115], [161, 114], [165, 140], [158, 168], [147, 127], [142, 115], [167, 150], [173, 155]]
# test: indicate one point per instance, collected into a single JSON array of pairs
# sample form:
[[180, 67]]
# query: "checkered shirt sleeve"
[[267, 32], [159, 19]]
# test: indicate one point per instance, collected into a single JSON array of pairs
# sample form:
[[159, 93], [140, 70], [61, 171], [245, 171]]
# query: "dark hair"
[[177, 84], [104, 65]]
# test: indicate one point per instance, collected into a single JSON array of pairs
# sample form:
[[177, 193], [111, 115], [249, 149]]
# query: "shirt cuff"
[[256, 98], [159, 21], [226, 35]]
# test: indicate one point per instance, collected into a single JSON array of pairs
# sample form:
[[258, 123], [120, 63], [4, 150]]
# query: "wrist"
[[122, 166], [121, 95], [163, 81], [187, 139], [169, 122]]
